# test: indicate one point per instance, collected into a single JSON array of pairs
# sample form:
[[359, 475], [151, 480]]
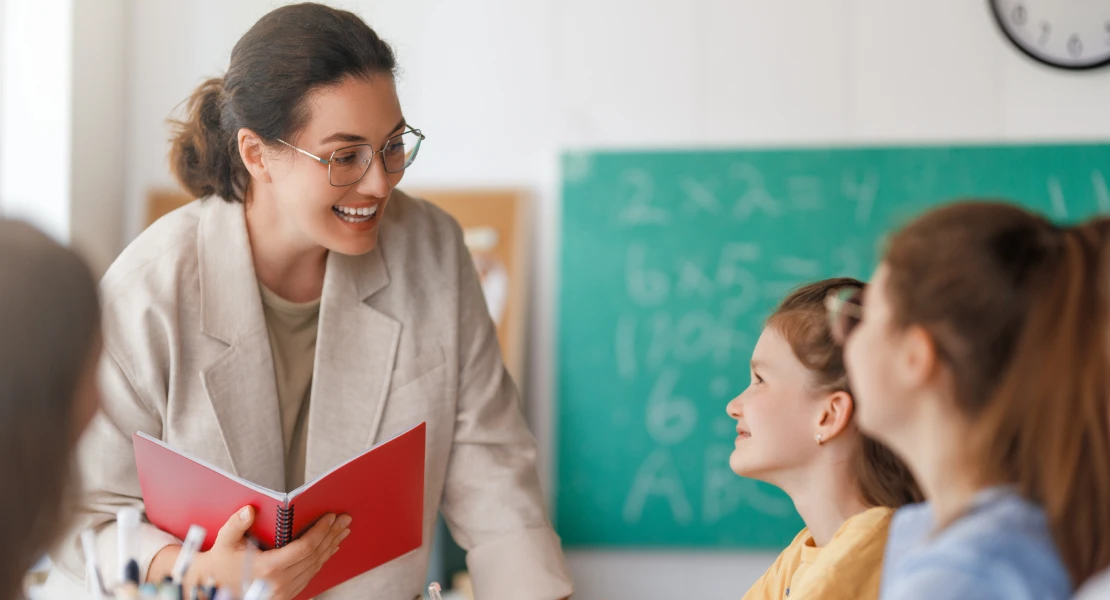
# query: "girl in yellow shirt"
[[795, 431]]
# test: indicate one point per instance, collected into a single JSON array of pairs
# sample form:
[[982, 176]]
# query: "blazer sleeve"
[[106, 467], [492, 501]]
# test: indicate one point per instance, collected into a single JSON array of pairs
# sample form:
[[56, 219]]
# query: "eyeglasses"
[[844, 306], [348, 165]]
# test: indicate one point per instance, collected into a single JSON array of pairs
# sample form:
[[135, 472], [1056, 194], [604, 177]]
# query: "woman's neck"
[[937, 450], [284, 261], [825, 495]]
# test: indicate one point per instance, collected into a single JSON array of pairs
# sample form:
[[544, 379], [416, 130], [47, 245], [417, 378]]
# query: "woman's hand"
[[288, 570]]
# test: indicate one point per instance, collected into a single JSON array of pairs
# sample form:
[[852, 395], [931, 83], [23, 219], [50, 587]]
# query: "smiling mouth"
[[355, 215]]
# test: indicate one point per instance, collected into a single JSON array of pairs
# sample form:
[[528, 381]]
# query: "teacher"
[[304, 309]]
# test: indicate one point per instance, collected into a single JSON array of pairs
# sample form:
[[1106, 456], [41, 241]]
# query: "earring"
[[818, 439]]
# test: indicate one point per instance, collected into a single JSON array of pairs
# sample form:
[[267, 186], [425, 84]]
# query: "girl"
[[981, 361], [49, 347], [305, 309], [796, 431]]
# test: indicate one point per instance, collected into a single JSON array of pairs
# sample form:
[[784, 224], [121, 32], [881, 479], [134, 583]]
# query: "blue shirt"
[[1000, 549]]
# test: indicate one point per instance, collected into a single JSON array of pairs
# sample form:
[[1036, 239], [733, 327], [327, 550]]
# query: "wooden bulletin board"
[[494, 223], [161, 202]]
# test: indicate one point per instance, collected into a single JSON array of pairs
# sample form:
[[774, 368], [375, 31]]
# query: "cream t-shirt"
[[292, 327]]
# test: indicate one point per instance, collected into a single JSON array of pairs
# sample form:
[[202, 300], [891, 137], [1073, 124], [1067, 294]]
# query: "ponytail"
[[204, 157], [1047, 429], [289, 53]]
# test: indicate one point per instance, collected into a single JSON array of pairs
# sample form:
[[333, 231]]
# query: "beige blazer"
[[404, 337]]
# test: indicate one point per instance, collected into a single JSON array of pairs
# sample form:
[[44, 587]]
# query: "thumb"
[[236, 527]]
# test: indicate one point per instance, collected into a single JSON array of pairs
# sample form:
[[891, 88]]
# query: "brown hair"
[[289, 53], [49, 323], [802, 320], [1017, 310]]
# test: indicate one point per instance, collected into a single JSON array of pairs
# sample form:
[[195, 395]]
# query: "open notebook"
[[382, 490]]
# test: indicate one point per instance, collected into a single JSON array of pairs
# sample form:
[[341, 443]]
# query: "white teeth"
[[358, 212]]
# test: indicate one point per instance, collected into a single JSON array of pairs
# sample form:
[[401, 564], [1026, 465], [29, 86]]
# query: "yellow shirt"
[[848, 567]]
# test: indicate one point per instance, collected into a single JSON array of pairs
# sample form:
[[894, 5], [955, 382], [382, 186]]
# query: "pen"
[[193, 541], [127, 523], [169, 590], [248, 564], [259, 590], [92, 568]]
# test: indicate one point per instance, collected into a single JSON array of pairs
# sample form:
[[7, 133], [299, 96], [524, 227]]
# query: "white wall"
[[62, 93], [500, 86], [35, 120], [98, 113]]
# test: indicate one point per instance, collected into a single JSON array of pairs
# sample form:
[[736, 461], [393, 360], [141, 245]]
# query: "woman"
[[305, 309], [49, 347], [797, 432], [980, 360]]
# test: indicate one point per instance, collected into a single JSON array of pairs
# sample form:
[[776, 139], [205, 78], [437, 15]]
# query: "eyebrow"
[[355, 138]]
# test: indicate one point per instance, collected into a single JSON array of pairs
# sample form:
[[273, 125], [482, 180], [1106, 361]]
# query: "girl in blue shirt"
[[980, 359]]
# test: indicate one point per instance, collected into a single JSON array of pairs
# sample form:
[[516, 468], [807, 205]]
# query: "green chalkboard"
[[670, 261]]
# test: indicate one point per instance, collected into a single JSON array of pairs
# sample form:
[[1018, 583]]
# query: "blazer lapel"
[[240, 384], [355, 352]]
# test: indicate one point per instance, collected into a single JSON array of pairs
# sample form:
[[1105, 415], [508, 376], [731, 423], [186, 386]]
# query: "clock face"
[[1070, 34]]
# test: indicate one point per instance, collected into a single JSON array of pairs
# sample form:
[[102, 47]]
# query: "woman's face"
[[874, 355], [775, 416], [306, 206]]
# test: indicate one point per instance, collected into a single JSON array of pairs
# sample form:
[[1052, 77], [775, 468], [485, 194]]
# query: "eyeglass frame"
[[836, 307], [373, 152]]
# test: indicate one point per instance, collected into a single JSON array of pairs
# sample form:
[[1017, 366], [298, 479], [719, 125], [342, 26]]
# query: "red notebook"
[[382, 490]]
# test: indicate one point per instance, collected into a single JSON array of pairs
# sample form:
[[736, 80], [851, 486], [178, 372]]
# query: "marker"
[[193, 541], [92, 567], [259, 590], [433, 591], [127, 524], [169, 590], [248, 564]]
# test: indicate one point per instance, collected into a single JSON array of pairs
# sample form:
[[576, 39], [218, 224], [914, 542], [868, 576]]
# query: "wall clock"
[[1067, 34]]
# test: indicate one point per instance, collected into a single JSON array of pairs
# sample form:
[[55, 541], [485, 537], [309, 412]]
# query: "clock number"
[[1019, 15], [1075, 45], [1046, 30]]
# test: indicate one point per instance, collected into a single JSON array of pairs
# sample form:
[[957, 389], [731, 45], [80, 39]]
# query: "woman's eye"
[[345, 159]]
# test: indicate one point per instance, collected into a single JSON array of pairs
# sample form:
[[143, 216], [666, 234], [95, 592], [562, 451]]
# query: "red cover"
[[382, 490]]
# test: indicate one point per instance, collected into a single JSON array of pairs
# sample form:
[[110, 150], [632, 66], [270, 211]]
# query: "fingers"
[[310, 559], [292, 567], [302, 579], [236, 527]]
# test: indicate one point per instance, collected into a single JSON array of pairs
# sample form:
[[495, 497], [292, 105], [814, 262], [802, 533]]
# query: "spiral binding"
[[284, 529]]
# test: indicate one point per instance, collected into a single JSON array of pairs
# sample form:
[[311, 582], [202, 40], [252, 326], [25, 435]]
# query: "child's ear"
[[835, 416]]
